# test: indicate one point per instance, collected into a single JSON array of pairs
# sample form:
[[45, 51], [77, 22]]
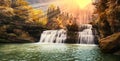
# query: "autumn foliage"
[[18, 21]]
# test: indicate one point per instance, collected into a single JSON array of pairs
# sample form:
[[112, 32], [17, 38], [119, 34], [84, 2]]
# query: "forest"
[[20, 22]]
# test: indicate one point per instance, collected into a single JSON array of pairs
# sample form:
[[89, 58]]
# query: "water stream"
[[53, 52], [85, 36]]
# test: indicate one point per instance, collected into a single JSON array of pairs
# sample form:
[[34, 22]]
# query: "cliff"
[[108, 24]]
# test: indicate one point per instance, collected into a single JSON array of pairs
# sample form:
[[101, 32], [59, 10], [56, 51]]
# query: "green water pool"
[[53, 52]]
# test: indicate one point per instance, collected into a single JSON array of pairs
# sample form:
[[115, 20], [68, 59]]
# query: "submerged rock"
[[110, 44]]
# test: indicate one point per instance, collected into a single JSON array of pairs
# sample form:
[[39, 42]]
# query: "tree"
[[5, 3], [6, 12], [52, 11], [23, 12], [18, 3]]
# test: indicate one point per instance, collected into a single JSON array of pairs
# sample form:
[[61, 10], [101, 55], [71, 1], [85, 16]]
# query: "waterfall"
[[85, 36], [53, 36]]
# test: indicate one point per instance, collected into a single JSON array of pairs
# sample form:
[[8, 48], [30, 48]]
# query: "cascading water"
[[59, 36], [86, 35], [53, 36]]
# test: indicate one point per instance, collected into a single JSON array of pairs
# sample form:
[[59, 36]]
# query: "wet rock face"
[[110, 44]]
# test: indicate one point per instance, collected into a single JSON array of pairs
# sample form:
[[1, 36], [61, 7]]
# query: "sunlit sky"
[[80, 8], [74, 3], [83, 3]]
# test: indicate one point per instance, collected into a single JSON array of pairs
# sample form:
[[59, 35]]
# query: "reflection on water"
[[53, 52]]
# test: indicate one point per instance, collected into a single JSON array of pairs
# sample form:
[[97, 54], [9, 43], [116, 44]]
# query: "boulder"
[[110, 44]]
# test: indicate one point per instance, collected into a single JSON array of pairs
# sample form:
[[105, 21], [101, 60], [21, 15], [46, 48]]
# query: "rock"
[[110, 44], [14, 38], [72, 37], [72, 33], [20, 33], [117, 53], [103, 26]]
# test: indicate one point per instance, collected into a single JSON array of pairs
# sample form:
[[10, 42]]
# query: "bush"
[[73, 27], [6, 11]]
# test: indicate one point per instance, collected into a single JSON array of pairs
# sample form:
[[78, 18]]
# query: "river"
[[53, 52]]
